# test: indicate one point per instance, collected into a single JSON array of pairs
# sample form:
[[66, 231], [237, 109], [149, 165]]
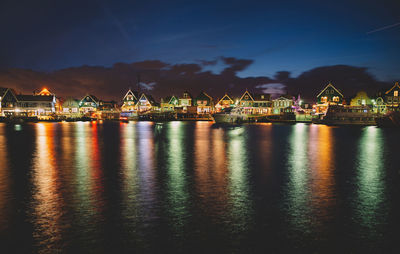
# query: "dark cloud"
[[162, 79], [235, 65], [349, 79]]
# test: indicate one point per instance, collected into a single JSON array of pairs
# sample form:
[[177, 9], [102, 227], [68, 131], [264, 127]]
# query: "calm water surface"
[[193, 187]]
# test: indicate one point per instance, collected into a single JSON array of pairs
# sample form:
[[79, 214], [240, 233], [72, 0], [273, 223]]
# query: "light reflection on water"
[[142, 186], [370, 201]]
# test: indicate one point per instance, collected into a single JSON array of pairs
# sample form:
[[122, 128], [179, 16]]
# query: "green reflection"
[[238, 178], [370, 180], [298, 189], [129, 171], [176, 185]]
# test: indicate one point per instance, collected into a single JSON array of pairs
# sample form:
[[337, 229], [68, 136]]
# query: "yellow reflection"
[[370, 177], [146, 167], [47, 200], [241, 207], [202, 157], [176, 185], [298, 189], [4, 180], [129, 169]]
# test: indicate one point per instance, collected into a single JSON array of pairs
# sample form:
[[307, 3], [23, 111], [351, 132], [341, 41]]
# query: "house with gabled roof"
[[129, 101], [255, 103], [146, 103], [282, 104], [70, 107], [330, 95], [392, 98], [8, 101], [169, 103], [225, 102], [88, 104], [204, 103]]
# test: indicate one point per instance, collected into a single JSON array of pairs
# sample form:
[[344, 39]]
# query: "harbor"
[[330, 107]]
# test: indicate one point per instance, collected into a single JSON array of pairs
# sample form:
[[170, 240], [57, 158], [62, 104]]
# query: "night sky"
[[100, 47]]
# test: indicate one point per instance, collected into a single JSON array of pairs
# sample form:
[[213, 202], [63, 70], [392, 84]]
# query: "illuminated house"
[[88, 104], [108, 110], [225, 102], [2, 93], [255, 103], [361, 99], [129, 102], [328, 96], [8, 101], [392, 98], [204, 103], [70, 107], [146, 103], [185, 101], [169, 103], [282, 104], [28, 105]]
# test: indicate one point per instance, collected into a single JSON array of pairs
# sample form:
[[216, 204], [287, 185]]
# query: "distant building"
[[130, 101], [392, 98], [204, 103], [146, 103], [282, 104], [361, 99], [255, 103], [328, 96], [186, 101], [108, 110], [40, 104], [88, 104], [70, 107], [225, 102], [169, 103]]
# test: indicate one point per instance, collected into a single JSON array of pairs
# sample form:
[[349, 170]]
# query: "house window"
[[324, 99], [246, 97], [336, 98], [396, 93], [262, 96]]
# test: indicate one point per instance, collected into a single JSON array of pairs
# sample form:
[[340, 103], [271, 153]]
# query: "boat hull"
[[229, 119]]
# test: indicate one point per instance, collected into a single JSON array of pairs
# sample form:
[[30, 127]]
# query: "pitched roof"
[[393, 87], [226, 97], [46, 98], [149, 98], [285, 96], [189, 95], [168, 99], [134, 94], [261, 97], [94, 98], [330, 85], [203, 95], [247, 92], [3, 90]]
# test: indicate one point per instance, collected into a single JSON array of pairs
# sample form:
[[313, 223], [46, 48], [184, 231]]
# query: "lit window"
[[396, 93], [336, 98], [324, 99]]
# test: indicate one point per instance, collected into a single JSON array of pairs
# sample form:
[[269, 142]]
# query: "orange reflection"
[[4, 180], [220, 165], [321, 146], [96, 173], [47, 200]]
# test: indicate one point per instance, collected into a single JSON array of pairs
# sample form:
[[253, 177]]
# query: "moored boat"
[[230, 116]]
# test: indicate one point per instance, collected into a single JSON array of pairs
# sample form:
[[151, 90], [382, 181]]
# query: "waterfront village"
[[330, 107]]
